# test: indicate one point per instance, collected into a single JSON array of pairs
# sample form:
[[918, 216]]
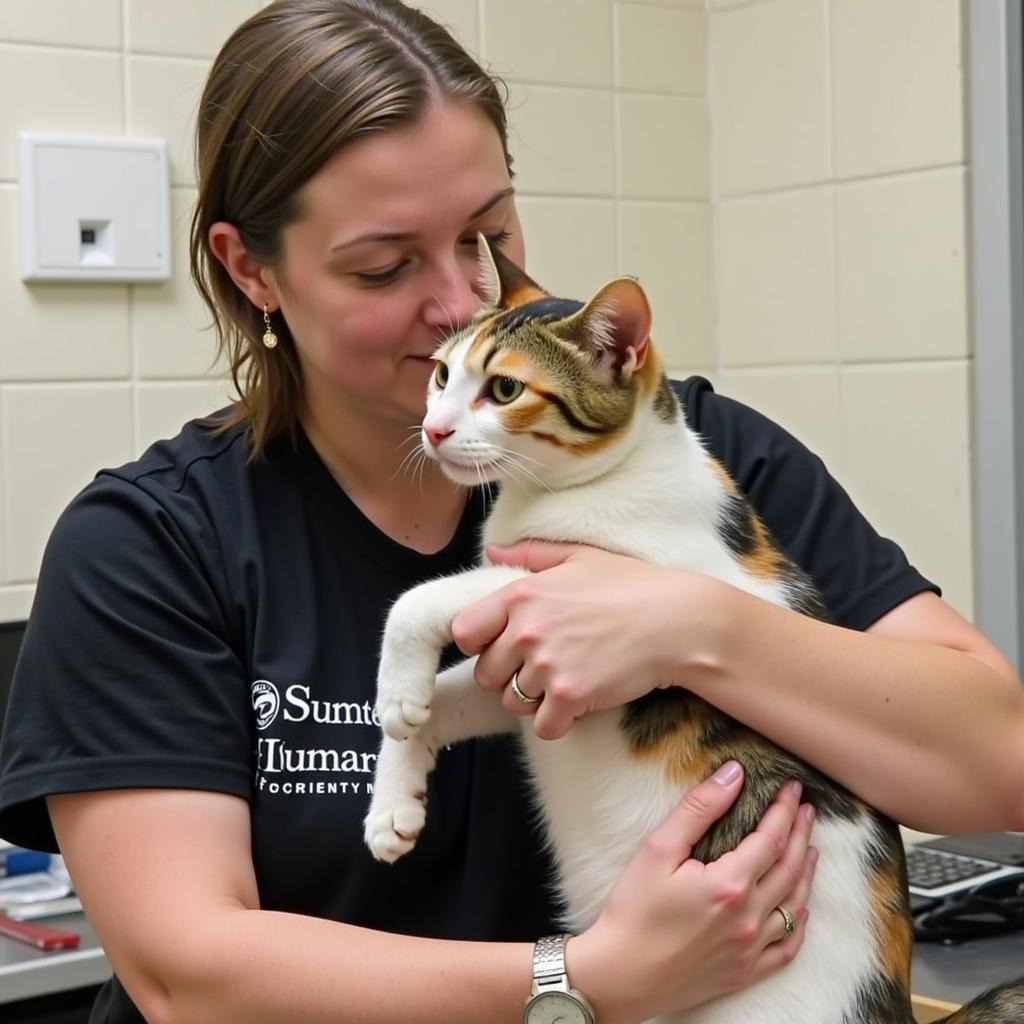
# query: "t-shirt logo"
[[266, 702]]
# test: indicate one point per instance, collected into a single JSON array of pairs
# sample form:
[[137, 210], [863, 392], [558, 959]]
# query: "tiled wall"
[[839, 251], [784, 176]]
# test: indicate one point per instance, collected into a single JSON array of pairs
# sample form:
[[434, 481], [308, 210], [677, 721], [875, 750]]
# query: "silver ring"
[[788, 921], [518, 694]]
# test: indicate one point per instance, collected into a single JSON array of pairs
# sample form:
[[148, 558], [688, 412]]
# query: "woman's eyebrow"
[[493, 201], [404, 236]]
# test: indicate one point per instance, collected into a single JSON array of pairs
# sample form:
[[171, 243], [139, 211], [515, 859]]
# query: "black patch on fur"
[[544, 311], [650, 720], [570, 417], [802, 595], [881, 1001], [1003, 1004], [736, 525]]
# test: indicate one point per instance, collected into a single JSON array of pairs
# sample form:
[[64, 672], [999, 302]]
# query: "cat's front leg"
[[418, 628], [398, 807]]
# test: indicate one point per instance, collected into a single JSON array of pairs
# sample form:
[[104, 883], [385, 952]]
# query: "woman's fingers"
[[672, 842], [770, 841], [780, 948], [778, 883]]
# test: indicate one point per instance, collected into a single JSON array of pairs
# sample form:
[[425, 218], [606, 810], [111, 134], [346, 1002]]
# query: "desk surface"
[[26, 972], [958, 973], [953, 973]]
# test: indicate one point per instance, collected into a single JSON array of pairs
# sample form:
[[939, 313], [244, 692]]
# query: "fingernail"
[[813, 855], [793, 789], [728, 773], [808, 812]]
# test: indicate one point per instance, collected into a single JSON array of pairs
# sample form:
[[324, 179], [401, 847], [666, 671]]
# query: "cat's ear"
[[613, 328], [501, 283]]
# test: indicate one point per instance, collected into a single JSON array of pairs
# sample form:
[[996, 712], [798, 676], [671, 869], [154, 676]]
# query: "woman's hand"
[[587, 630], [675, 933]]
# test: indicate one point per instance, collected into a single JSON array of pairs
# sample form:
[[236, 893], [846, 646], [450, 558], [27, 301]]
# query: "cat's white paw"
[[401, 719], [393, 826], [403, 700]]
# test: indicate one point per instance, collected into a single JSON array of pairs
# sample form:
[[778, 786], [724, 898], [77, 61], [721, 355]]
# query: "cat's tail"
[[1003, 1004]]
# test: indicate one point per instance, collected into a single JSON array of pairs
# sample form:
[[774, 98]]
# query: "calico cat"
[[566, 404]]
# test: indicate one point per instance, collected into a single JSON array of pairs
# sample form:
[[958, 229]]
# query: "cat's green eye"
[[441, 374], [506, 389]]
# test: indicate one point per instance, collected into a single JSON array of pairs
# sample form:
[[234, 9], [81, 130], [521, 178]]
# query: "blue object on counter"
[[16, 861]]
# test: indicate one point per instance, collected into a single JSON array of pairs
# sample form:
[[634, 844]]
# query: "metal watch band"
[[549, 958]]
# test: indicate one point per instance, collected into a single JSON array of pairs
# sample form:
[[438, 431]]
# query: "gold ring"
[[518, 694], [788, 921]]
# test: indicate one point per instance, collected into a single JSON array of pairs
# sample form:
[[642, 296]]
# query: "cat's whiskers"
[[452, 327], [415, 459], [511, 465]]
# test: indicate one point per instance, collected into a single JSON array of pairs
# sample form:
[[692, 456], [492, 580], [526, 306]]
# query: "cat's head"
[[538, 390]]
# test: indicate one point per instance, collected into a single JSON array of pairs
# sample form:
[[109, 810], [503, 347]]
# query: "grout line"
[[878, 177]]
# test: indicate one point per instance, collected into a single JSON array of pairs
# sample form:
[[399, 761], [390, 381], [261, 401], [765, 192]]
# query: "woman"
[[192, 715]]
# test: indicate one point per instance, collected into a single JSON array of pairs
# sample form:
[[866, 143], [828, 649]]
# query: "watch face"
[[557, 1008]]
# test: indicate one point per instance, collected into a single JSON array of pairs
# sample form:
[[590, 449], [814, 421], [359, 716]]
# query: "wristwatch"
[[553, 999]]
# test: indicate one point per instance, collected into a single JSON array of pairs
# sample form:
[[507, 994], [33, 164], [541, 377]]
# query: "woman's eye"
[[506, 389], [496, 240], [383, 276], [441, 374]]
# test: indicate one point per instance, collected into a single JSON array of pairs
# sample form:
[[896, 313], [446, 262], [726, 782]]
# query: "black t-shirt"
[[204, 622]]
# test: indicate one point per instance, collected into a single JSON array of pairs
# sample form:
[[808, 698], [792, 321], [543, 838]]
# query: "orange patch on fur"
[[893, 934], [478, 349], [764, 561], [523, 414], [684, 758], [519, 294]]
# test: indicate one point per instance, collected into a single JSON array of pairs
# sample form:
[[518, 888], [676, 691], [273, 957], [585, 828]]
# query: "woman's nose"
[[452, 303]]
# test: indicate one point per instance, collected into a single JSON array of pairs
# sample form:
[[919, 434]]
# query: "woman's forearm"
[[931, 735], [254, 966]]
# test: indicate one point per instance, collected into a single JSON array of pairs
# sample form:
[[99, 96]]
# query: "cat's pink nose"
[[436, 436]]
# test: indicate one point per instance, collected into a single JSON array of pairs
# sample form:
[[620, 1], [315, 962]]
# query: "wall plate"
[[94, 208]]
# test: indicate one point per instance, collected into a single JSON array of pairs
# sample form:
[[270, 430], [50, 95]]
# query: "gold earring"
[[269, 337]]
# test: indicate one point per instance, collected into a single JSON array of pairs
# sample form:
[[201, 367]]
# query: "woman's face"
[[382, 260]]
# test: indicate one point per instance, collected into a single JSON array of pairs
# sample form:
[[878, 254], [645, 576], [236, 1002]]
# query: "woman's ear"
[[253, 279]]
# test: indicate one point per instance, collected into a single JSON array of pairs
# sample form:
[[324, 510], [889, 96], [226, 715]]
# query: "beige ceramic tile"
[[695, 5], [185, 28], [667, 246], [769, 94], [73, 430], [53, 91], [661, 49], [570, 244], [168, 320], [88, 23], [460, 17], [906, 461], [903, 270], [805, 401], [57, 331], [664, 146], [164, 98], [565, 43], [16, 601], [775, 279], [162, 409], [562, 140], [897, 85]]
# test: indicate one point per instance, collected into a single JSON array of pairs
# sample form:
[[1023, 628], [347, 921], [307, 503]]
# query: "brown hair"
[[290, 87]]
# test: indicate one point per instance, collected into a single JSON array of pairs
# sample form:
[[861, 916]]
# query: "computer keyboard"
[[938, 873]]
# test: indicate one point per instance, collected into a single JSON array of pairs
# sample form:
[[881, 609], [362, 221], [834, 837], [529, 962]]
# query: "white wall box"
[[94, 208]]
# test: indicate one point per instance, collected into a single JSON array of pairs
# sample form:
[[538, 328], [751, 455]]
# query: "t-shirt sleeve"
[[860, 574], [126, 676]]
